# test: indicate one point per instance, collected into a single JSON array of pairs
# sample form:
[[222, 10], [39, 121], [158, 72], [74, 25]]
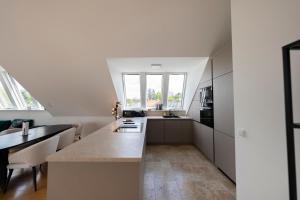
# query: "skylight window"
[[5, 102], [13, 96], [146, 90]]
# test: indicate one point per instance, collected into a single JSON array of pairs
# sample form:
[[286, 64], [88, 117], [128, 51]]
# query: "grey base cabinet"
[[225, 153], [203, 138], [178, 131], [155, 131], [166, 131]]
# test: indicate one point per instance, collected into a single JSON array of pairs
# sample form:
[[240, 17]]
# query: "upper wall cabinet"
[[194, 111], [206, 76], [223, 104], [223, 63]]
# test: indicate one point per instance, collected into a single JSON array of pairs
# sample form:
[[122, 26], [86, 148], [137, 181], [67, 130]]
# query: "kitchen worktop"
[[104, 159], [161, 117], [105, 145]]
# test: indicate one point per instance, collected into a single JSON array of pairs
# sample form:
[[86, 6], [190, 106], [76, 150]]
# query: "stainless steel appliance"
[[133, 113], [206, 106]]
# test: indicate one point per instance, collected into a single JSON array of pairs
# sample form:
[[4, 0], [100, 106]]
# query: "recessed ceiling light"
[[156, 66]]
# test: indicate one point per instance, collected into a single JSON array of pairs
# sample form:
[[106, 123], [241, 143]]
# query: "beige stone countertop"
[[105, 145], [161, 117]]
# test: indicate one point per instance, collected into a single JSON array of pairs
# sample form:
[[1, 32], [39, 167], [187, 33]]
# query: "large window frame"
[[164, 89], [14, 94]]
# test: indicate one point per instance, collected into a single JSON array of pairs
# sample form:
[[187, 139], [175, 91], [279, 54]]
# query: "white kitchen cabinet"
[[207, 74], [223, 104], [222, 63], [225, 153], [194, 111], [203, 138]]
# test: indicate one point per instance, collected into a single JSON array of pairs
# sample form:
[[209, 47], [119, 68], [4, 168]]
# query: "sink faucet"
[[171, 112]]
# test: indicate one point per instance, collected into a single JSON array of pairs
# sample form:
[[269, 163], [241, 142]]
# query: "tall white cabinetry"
[[224, 124], [218, 143]]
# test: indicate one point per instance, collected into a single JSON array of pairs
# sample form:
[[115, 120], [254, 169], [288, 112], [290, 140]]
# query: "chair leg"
[[8, 179], [34, 178]]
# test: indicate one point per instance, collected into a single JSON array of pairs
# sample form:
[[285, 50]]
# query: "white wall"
[[259, 29], [45, 118]]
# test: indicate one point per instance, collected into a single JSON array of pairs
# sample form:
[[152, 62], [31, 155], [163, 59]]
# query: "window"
[[5, 102], [13, 96], [154, 90], [132, 90], [146, 90], [27, 99], [175, 93]]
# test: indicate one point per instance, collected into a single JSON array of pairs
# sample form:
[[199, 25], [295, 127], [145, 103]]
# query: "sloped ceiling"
[[57, 49]]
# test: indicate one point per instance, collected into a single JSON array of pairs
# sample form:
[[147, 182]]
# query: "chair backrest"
[[89, 128], [36, 154], [66, 138], [78, 127], [11, 130]]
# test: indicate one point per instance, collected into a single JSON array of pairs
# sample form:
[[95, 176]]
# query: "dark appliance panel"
[[206, 106]]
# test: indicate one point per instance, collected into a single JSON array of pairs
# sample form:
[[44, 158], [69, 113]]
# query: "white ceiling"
[[57, 49], [174, 64]]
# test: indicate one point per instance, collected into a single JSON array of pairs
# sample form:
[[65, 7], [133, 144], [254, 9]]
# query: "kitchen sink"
[[171, 116], [129, 128]]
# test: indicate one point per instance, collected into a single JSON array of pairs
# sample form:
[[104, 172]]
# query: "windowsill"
[[147, 110], [173, 110]]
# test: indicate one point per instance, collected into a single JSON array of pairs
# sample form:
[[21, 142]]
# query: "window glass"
[[175, 93], [28, 100], [5, 102], [132, 91], [154, 90], [13, 96]]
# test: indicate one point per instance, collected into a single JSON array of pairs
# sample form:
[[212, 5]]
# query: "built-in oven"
[[206, 106]]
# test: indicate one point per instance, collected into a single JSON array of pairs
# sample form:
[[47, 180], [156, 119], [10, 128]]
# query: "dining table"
[[18, 141]]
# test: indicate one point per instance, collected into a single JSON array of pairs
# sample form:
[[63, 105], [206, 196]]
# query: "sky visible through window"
[[13, 96], [154, 90], [176, 84], [147, 90], [132, 91], [5, 102]]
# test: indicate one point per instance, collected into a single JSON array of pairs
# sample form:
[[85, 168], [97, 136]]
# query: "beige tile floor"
[[171, 173], [183, 173]]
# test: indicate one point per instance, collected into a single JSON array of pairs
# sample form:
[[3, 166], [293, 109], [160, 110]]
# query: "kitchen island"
[[104, 165]]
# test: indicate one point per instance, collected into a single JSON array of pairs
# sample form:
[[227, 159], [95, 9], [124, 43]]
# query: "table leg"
[[3, 168]]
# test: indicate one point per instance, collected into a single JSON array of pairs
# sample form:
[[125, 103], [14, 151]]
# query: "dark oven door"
[[207, 117]]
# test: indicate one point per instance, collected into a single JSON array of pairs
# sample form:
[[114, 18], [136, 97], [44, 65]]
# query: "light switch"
[[242, 132]]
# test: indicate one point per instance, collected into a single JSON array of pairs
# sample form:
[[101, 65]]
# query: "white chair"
[[32, 156], [89, 128], [78, 132], [66, 138], [11, 130]]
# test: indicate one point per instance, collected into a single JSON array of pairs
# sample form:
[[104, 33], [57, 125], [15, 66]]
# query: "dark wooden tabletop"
[[35, 135]]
